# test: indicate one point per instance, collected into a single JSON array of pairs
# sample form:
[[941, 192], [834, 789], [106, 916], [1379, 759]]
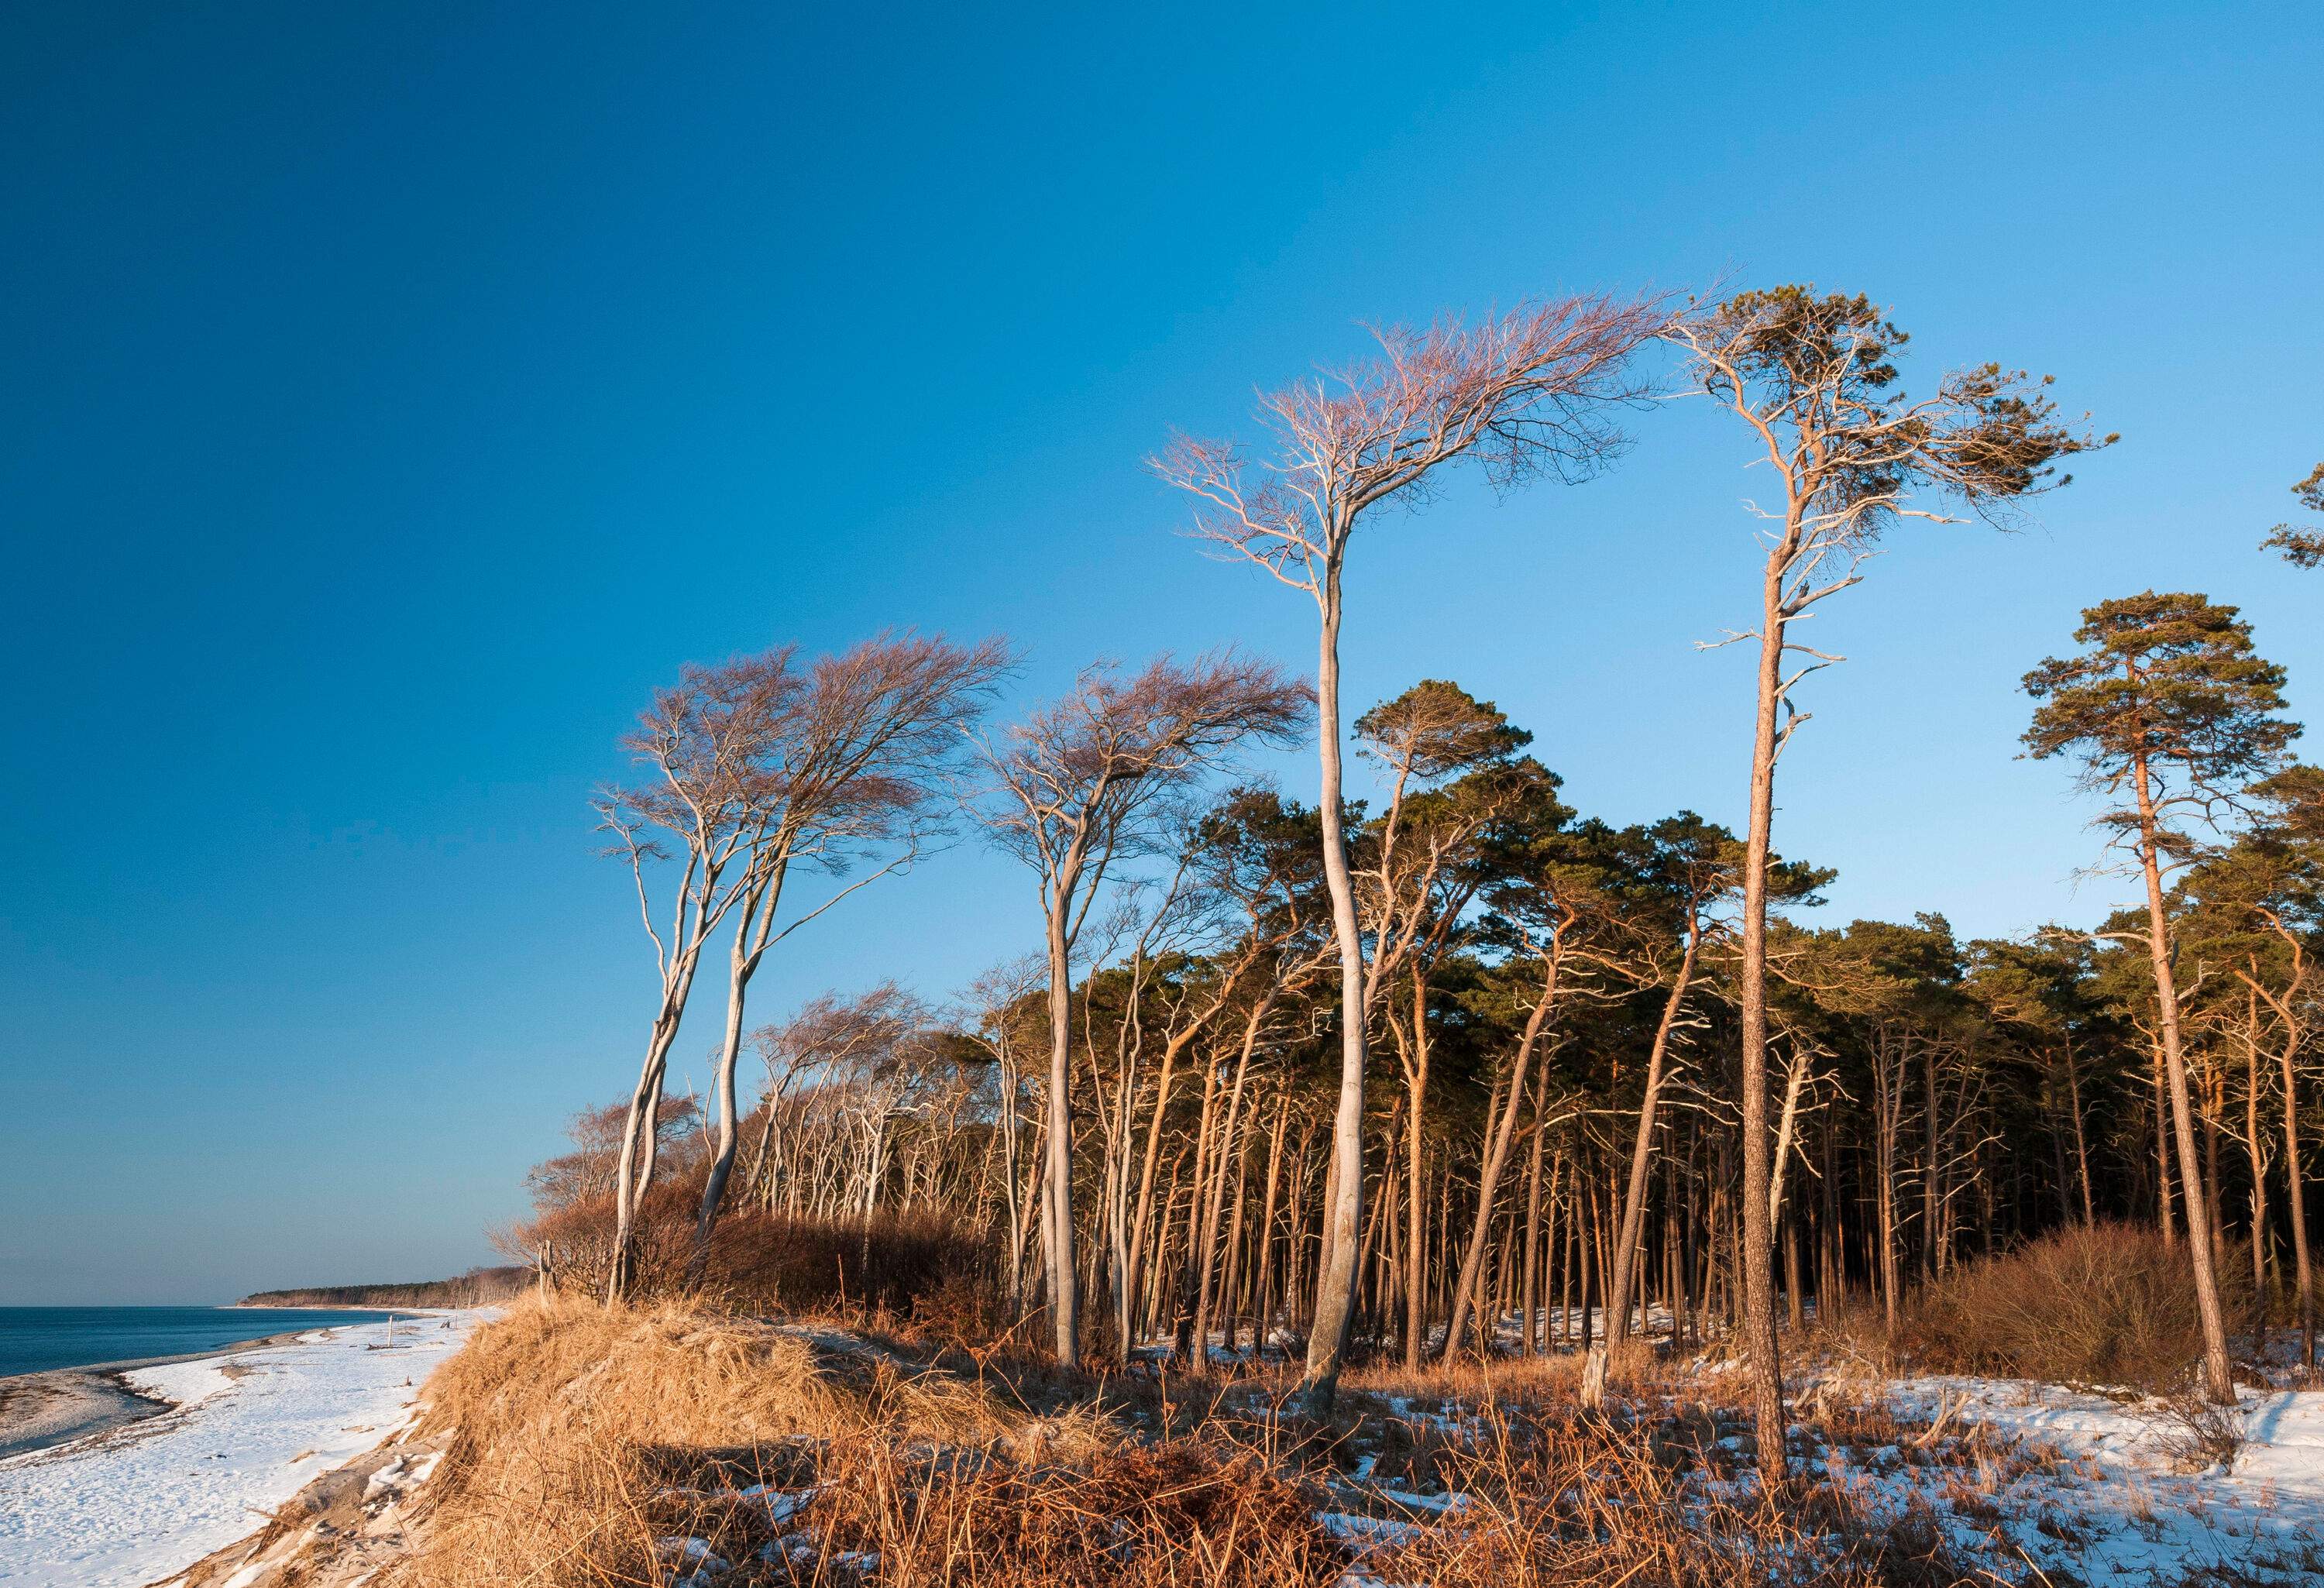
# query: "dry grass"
[[592, 1446], [571, 1419]]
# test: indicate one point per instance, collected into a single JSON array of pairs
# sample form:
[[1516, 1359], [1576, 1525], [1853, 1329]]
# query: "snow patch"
[[251, 1429]]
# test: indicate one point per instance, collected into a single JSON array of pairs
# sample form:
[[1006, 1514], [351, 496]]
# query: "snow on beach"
[[249, 1430]]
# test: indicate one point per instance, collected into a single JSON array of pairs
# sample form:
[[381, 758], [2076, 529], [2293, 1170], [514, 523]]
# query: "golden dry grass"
[[589, 1442]]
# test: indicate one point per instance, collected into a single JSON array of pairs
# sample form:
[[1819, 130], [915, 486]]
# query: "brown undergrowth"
[[2103, 1304], [596, 1448]]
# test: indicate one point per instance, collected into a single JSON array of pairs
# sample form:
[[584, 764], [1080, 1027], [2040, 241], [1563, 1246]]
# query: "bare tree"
[[845, 768], [1079, 785], [1812, 380], [701, 741], [1521, 394]]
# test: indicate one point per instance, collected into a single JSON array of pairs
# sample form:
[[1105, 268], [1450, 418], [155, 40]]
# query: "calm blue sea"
[[34, 1339]]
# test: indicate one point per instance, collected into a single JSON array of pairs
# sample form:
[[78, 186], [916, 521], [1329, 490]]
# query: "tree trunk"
[[1065, 1293], [1634, 1195], [1490, 1176], [1532, 1333], [2253, 1147], [2081, 1146], [760, 900], [2302, 1276], [1415, 1076], [2219, 1383], [1335, 1288], [1766, 1381]]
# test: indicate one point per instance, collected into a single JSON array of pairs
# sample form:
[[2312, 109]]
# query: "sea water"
[[35, 1339]]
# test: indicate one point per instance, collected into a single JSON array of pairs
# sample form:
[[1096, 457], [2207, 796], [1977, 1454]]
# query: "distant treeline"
[[477, 1287]]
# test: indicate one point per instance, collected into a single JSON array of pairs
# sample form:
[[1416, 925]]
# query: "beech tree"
[[700, 806], [2171, 715], [758, 765], [1523, 394], [1075, 787], [857, 748], [1814, 382]]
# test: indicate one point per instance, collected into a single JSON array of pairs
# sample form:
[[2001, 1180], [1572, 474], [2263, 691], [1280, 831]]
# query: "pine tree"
[[2172, 716]]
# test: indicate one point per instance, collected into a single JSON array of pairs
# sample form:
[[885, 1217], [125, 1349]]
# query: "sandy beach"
[[126, 1473]]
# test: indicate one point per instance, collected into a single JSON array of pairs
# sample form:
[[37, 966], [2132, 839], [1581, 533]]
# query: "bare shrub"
[[2108, 1304], [2198, 1434], [763, 1262]]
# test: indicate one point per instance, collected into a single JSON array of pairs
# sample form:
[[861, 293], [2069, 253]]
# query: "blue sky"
[[393, 396]]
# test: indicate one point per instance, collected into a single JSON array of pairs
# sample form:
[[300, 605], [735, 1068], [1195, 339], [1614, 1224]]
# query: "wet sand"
[[41, 1410]]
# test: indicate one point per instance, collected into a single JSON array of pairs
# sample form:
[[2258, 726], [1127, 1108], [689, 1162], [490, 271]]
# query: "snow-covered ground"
[[251, 1429], [2136, 1498]]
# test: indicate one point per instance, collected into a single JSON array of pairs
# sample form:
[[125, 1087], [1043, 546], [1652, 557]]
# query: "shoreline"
[[56, 1407], [251, 1429]]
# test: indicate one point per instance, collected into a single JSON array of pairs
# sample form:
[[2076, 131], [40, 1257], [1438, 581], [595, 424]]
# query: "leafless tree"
[[1522, 394], [701, 742], [861, 744], [1079, 785]]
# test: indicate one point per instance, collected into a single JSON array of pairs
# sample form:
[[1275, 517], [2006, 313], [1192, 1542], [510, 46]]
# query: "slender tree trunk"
[[1634, 1195], [1929, 1187], [1767, 1382], [754, 926], [1533, 1296], [1065, 1293], [1335, 1289], [2254, 1148], [2162, 1149], [2218, 1382], [1490, 1176], [2302, 1276], [1263, 1265], [1415, 1074], [2081, 1144]]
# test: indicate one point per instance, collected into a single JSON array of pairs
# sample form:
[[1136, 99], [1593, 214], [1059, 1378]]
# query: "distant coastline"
[[481, 1286]]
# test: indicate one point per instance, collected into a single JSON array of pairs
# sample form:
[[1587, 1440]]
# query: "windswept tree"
[[2302, 547], [1082, 783], [756, 766], [1814, 382], [1523, 394], [846, 773], [698, 807], [2172, 716]]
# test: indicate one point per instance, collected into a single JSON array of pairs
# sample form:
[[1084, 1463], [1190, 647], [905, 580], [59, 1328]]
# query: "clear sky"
[[394, 395]]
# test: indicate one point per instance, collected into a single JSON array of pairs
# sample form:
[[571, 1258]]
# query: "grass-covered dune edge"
[[571, 1444]]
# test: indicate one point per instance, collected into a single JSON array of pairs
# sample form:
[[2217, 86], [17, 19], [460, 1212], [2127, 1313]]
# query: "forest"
[[1444, 1069]]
